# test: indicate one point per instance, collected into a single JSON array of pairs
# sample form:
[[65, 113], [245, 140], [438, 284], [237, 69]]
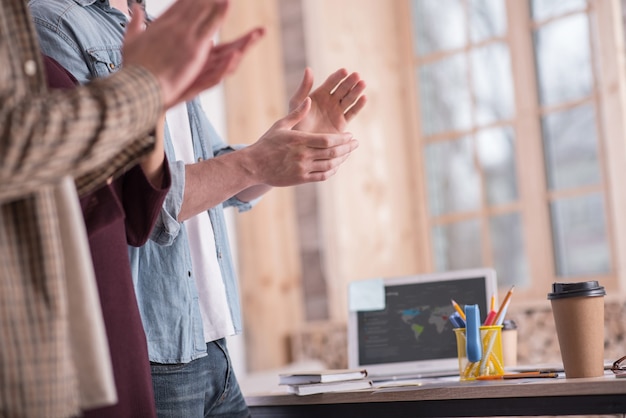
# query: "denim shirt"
[[85, 36]]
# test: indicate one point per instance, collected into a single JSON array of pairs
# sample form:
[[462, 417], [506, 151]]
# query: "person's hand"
[[334, 103], [176, 46], [224, 60], [286, 157]]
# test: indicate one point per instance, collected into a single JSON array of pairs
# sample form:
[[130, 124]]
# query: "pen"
[[503, 308], [456, 320], [457, 307], [520, 375]]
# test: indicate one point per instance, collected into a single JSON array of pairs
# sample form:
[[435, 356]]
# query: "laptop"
[[411, 337]]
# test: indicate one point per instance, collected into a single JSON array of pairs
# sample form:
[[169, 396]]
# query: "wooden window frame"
[[609, 101]]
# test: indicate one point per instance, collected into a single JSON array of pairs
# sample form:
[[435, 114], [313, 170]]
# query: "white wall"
[[212, 102]]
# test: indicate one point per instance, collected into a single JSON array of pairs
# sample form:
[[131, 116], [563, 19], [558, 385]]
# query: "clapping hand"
[[333, 104]]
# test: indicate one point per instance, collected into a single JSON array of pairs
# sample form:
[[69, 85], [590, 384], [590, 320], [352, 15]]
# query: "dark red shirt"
[[118, 214]]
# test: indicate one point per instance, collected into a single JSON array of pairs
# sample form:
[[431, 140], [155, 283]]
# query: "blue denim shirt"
[[85, 36]]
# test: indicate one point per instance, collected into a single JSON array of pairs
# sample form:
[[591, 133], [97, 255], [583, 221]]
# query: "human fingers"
[[303, 89], [294, 116], [241, 44], [136, 24], [171, 51], [330, 84], [324, 141], [208, 18], [323, 170], [346, 86], [355, 109], [352, 96], [337, 151], [211, 76], [233, 52]]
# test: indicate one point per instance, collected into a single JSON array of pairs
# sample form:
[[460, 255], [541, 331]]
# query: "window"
[[510, 103]]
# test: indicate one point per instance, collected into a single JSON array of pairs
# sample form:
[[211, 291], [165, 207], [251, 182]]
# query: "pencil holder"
[[491, 362]]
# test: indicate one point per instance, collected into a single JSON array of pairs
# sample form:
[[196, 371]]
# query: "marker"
[[456, 320], [491, 316], [473, 342]]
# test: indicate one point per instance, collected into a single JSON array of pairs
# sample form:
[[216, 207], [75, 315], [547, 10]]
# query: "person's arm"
[[281, 157], [94, 129], [49, 135]]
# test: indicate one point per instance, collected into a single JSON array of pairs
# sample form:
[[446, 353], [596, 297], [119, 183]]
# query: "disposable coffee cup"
[[578, 310]]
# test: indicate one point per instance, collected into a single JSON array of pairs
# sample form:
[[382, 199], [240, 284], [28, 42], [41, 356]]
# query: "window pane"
[[493, 83], [571, 148], [496, 152], [439, 25], [453, 180], [487, 19], [563, 60], [457, 246], [580, 239], [444, 95], [508, 249], [543, 9]]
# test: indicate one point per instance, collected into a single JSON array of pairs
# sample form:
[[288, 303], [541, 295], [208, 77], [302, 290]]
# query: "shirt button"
[[30, 68], [199, 159], [112, 66]]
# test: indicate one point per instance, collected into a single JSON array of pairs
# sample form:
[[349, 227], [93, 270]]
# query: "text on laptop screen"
[[414, 324]]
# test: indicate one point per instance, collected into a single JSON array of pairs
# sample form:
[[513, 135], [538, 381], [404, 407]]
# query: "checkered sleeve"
[[91, 132]]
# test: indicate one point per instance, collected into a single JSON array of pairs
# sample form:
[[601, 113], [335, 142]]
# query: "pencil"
[[520, 375], [493, 303], [458, 309], [503, 307]]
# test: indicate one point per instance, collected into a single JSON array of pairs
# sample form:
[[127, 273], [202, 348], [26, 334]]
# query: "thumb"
[[296, 115], [303, 89], [136, 24]]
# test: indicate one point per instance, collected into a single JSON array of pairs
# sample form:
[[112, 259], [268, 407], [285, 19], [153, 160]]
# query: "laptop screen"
[[412, 334]]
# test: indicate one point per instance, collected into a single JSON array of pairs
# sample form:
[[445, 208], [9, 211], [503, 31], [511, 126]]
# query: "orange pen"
[[520, 375]]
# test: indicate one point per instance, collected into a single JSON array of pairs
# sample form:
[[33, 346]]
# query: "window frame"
[[609, 99]]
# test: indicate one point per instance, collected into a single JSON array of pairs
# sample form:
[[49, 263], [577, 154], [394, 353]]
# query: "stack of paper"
[[310, 382]]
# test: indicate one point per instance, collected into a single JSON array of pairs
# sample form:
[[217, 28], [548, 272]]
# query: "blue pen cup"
[[491, 362]]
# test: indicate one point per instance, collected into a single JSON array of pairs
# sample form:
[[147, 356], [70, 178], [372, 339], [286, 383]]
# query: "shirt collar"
[[86, 3]]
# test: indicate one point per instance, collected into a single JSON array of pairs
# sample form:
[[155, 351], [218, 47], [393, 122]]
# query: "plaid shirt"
[[89, 133]]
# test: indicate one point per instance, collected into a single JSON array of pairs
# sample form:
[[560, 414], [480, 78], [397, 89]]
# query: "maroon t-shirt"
[[118, 214]]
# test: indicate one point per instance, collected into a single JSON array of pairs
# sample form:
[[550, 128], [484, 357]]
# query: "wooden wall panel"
[[268, 257], [367, 208]]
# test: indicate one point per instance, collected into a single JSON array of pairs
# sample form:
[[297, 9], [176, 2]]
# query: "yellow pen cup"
[[491, 362]]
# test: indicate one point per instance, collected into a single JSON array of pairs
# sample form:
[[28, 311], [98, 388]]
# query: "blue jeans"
[[205, 387]]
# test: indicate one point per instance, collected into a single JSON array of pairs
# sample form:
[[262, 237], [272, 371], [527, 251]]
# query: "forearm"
[[213, 181], [91, 132]]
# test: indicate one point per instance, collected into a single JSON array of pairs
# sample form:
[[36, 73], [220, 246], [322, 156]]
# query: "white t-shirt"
[[216, 318]]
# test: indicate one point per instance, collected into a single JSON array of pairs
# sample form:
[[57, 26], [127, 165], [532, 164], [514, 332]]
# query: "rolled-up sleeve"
[[167, 226]]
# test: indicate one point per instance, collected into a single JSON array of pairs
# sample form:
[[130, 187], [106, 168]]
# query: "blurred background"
[[494, 135]]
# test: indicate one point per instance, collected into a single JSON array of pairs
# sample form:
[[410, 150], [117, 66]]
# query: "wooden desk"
[[524, 397]]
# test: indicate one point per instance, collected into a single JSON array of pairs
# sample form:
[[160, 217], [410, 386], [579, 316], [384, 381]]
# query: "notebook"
[[411, 336]]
